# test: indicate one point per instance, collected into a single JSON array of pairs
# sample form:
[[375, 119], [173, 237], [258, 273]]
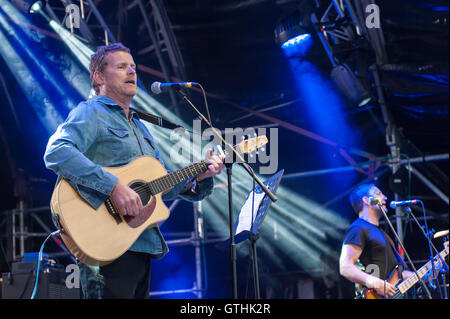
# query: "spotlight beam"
[[283, 213]]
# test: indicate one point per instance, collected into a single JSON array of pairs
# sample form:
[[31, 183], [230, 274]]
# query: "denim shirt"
[[97, 133]]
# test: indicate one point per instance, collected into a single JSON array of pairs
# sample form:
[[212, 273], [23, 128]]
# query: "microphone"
[[403, 203], [374, 200], [158, 87]]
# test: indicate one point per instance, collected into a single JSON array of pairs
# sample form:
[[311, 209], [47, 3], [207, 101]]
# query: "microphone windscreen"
[[156, 87]]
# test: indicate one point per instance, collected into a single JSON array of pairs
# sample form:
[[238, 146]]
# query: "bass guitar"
[[395, 279]]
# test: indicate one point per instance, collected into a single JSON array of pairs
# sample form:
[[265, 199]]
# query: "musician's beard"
[[378, 212]]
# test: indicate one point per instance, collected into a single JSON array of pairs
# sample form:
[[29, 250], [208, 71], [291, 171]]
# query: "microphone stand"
[[230, 201], [253, 239], [427, 235], [232, 242], [404, 250]]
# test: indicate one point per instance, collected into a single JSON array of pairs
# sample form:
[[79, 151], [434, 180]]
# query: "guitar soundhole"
[[144, 193], [142, 190]]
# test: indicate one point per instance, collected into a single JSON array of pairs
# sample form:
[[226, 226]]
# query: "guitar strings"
[[142, 190], [146, 187]]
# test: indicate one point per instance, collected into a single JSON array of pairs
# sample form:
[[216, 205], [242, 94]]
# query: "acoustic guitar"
[[98, 237], [395, 279]]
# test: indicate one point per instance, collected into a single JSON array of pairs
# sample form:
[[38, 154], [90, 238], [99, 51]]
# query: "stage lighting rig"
[[292, 31], [337, 24], [350, 86]]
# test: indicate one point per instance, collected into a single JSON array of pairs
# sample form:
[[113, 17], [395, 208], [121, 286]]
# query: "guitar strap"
[[397, 255], [156, 120]]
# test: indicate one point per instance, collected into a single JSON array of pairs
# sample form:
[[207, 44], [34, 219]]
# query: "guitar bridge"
[[112, 211]]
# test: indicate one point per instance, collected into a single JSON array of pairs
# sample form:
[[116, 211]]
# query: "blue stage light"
[[293, 34], [296, 41]]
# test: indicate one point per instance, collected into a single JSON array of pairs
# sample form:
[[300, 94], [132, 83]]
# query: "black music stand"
[[248, 223]]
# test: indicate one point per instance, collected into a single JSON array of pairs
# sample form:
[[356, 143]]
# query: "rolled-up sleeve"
[[64, 155]]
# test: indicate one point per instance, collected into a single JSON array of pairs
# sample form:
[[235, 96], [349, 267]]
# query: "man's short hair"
[[356, 197], [99, 62]]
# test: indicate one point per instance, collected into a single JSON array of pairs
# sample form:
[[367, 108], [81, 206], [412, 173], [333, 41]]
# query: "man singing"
[[365, 241], [104, 132]]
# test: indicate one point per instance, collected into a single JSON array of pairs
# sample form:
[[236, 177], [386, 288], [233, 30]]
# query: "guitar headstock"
[[247, 146], [443, 233], [252, 144]]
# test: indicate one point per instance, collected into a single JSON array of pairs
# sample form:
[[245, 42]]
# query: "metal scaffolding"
[[94, 30], [341, 27], [197, 239], [16, 225]]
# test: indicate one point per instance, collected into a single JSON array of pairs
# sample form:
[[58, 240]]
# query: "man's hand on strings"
[[215, 167]]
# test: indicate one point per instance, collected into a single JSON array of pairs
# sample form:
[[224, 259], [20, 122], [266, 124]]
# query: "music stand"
[[248, 224]]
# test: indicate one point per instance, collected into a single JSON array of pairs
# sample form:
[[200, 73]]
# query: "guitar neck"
[[168, 181], [412, 280]]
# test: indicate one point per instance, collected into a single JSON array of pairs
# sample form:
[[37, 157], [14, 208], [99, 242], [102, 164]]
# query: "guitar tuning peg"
[[254, 134], [262, 149]]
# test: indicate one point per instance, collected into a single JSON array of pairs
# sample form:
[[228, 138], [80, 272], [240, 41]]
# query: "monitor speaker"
[[19, 283]]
